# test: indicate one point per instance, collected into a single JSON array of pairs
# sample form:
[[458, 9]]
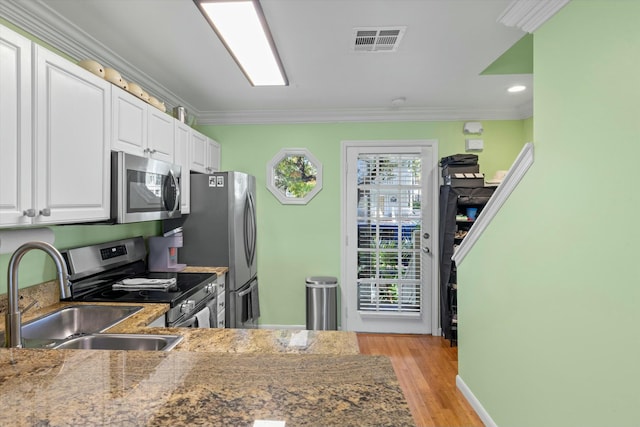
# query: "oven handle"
[[190, 321]]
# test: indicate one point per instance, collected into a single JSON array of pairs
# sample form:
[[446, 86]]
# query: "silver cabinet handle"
[[426, 250], [45, 212], [29, 212]]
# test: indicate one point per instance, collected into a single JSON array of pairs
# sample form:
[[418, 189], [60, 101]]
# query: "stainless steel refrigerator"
[[221, 231]]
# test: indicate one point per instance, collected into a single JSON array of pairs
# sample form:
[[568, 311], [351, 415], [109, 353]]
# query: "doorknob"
[[426, 250], [426, 235]]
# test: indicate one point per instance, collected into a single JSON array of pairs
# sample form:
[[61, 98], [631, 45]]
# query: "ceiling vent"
[[384, 39]]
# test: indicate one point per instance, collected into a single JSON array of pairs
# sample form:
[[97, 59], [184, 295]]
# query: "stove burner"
[[187, 284]]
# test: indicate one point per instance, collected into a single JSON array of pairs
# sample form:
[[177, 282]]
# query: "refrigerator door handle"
[[249, 229], [252, 206]]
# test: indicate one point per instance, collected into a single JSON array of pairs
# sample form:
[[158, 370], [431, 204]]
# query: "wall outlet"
[[474, 144]]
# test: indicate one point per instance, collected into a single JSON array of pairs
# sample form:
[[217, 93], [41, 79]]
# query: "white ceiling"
[[169, 49]]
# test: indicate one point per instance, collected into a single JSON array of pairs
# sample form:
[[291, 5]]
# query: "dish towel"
[[141, 284], [202, 318]]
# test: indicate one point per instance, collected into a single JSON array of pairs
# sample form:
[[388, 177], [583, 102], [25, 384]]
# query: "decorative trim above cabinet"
[[35, 17]]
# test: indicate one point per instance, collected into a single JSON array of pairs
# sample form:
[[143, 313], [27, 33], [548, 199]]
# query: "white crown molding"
[[38, 19], [529, 15], [360, 115]]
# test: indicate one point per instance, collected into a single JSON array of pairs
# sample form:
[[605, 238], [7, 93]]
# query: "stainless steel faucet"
[[13, 332]]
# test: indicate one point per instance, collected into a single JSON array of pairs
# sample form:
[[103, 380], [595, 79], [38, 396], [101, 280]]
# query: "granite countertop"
[[134, 388], [197, 269], [213, 377]]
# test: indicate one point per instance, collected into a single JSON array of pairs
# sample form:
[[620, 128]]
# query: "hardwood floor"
[[426, 367]]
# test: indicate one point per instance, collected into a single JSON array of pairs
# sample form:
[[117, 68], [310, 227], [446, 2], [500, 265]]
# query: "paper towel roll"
[[10, 240], [203, 318]]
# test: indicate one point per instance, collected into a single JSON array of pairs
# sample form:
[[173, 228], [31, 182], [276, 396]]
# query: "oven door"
[[143, 189]]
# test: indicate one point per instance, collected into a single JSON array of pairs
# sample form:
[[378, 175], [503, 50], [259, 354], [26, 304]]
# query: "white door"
[[390, 242]]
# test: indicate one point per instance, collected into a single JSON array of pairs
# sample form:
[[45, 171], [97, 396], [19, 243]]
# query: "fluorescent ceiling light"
[[243, 29], [516, 88]]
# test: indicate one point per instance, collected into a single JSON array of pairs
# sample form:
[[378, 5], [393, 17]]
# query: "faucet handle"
[[24, 310]]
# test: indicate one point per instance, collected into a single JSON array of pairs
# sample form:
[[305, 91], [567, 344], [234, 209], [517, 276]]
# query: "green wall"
[[293, 241], [36, 267], [299, 241], [548, 298]]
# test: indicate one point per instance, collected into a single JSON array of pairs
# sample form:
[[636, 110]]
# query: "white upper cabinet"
[[183, 154], [141, 129], [198, 152], [213, 155], [15, 128], [72, 141], [129, 120], [161, 135], [205, 154]]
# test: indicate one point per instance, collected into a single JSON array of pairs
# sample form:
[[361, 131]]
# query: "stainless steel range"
[[116, 272]]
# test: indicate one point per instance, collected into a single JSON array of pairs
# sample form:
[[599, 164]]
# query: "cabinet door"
[[198, 152], [160, 135], [72, 140], [213, 164], [129, 115], [182, 150], [15, 128]]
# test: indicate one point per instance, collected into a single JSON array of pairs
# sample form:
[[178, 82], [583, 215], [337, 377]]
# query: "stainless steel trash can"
[[322, 303]]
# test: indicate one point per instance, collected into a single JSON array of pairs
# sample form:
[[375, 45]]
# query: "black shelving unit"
[[454, 202]]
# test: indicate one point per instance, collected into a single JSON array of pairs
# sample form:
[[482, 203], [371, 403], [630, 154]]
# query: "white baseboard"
[[475, 403]]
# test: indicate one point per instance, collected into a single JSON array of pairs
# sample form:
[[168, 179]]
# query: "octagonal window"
[[294, 176]]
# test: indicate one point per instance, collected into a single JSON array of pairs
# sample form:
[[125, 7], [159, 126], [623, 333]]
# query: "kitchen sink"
[[122, 342], [73, 321]]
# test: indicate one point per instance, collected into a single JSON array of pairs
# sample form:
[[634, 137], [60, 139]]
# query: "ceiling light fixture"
[[243, 29], [516, 88]]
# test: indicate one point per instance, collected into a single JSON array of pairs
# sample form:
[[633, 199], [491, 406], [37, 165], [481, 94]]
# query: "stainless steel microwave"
[[143, 189]]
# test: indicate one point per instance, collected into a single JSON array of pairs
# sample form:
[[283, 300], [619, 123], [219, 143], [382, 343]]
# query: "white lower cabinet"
[[222, 293]]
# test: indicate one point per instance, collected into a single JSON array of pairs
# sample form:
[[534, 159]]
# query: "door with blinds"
[[389, 212]]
